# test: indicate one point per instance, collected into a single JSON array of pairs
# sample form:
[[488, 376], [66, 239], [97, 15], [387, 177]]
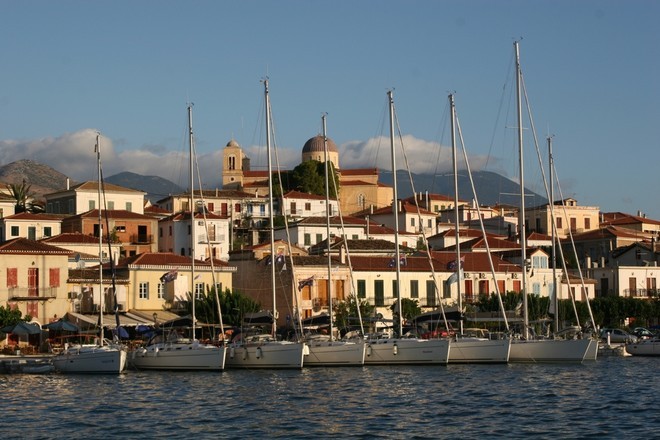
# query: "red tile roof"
[[24, 246]]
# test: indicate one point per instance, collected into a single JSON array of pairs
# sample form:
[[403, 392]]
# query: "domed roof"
[[232, 143], [315, 144]]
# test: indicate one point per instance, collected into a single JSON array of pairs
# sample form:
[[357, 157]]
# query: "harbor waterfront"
[[609, 398]]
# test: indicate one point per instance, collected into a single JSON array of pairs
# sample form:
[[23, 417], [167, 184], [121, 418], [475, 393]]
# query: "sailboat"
[[170, 351], [528, 349], [265, 350], [470, 349], [101, 356], [325, 350], [402, 350]]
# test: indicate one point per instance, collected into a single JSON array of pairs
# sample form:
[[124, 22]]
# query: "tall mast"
[[192, 219], [521, 212], [456, 222], [98, 170], [270, 207], [395, 211], [327, 216], [555, 299]]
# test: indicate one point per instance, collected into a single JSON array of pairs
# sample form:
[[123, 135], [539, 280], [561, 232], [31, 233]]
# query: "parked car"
[[617, 336], [642, 333]]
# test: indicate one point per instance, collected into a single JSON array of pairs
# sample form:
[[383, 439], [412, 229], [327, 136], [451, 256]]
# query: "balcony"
[[31, 293], [142, 238]]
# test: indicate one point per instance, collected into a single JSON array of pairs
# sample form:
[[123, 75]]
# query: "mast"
[[555, 299], [521, 212], [395, 211], [327, 217], [192, 219], [456, 223], [97, 149], [270, 207]]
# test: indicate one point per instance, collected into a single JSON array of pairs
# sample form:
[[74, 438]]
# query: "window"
[[540, 262], [559, 226], [120, 228], [143, 291], [160, 232], [319, 238], [430, 223], [199, 290], [129, 206], [414, 289], [237, 207], [32, 233], [71, 207], [361, 201], [54, 277], [218, 287], [231, 165], [430, 293], [379, 292], [395, 289], [211, 207], [161, 290], [48, 231], [293, 207], [92, 204], [587, 223], [262, 209], [412, 221], [361, 288], [111, 205], [536, 289], [169, 228], [308, 240], [354, 237], [14, 231], [12, 277], [308, 206]]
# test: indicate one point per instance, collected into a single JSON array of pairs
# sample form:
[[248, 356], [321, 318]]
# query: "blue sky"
[[128, 68]]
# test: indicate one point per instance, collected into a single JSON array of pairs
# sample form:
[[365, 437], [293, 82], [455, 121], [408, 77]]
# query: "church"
[[359, 189]]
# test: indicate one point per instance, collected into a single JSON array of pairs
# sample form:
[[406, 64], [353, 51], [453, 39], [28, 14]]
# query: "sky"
[[128, 70]]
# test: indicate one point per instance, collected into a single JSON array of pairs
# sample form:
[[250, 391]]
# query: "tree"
[[22, 193], [9, 316], [309, 177], [409, 308], [346, 312], [233, 305]]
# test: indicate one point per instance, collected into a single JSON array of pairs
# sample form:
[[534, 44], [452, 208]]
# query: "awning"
[[148, 315], [109, 320]]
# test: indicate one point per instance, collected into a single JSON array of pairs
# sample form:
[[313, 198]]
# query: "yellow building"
[[359, 189]]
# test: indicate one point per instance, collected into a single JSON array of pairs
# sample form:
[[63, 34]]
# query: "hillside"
[[491, 188], [43, 178]]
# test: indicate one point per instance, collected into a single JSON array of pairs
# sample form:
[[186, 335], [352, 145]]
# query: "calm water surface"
[[610, 398]]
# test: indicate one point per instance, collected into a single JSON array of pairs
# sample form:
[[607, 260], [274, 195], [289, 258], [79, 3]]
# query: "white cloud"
[[73, 155]]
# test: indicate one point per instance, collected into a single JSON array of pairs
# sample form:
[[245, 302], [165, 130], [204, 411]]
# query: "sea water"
[[610, 398]]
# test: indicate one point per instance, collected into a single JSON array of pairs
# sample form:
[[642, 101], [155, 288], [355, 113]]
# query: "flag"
[[279, 258], [170, 276], [391, 263], [306, 282], [454, 277], [452, 264], [403, 260]]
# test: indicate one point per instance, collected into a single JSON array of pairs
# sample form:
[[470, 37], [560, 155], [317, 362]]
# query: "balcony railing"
[[142, 238], [642, 293], [31, 293]]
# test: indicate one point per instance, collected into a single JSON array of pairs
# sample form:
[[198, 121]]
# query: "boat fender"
[[259, 353], [232, 352], [395, 349], [245, 353], [156, 350], [369, 350]]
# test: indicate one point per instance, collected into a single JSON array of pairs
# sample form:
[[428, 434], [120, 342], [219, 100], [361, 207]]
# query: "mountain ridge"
[[492, 188]]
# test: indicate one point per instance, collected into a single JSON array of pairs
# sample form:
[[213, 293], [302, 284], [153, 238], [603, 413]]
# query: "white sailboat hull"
[[479, 351], [649, 347], [269, 354], [334, 353], [407, 351], [91, 359], [549, 350], [179, 356]]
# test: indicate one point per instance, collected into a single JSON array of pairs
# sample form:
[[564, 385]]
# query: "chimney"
[[67, 183], [427, 201], [342, 254], [399, 206]]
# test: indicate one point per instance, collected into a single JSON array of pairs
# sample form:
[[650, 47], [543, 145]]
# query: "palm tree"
[[21, 193]]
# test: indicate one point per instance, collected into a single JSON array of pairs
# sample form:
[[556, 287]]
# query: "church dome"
[[315, 145], [232, 143]]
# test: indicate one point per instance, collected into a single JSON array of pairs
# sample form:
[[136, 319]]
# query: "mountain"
[[42, 178], [155, 187], [491, 187]]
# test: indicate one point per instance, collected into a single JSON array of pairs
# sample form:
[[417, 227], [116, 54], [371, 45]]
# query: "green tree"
[[9, 316], [233, 305], [409, 308], [346, 312], [309, 177], [23, 194]]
